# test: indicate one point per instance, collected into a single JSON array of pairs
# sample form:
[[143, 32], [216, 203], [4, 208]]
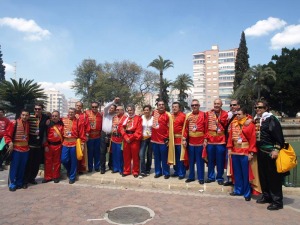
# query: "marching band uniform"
[[131, 130], [93, 143], [116, 144], [241, 143], [193, 133], [178, 123], [20, 152], [162, 143], [216, 148], [73, 129], [52, 157]]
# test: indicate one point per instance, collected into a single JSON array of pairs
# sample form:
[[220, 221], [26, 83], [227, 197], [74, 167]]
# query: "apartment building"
[[213, 72], [56, 101]]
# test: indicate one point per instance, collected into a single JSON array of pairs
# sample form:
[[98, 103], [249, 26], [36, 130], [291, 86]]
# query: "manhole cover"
[[131, 214]]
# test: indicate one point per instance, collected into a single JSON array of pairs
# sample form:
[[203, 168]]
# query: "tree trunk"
[[161, 85]]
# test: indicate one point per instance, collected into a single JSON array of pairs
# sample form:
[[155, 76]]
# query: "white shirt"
[[147, 126], [107, 118]]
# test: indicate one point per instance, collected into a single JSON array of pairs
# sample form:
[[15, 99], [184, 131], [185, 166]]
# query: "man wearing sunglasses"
[[93, 143], [38, 124], [193, 139]]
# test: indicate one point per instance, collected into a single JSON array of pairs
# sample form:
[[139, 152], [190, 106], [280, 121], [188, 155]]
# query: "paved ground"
[[87, 201]]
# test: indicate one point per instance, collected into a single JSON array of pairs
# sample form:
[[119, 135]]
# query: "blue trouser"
[[93, 147], [216, 156], [17, 168], [195, 156], [69, 160], [179, 167], [146, 145], [117, 157], [161, 159], [240, 165]]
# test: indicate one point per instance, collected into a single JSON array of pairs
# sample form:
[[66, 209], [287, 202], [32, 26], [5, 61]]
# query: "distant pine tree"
[[2, 68], [241, 62]]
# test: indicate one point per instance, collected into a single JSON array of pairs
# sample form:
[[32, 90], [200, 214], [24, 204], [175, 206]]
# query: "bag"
[[286, 159], [79, 154]]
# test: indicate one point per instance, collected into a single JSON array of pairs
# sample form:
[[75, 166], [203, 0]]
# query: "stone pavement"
[[93, 195]]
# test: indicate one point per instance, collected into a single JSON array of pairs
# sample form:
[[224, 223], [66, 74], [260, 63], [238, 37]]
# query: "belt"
[[129, 132], [215, 134], [146, 137], [241, 145], [95, 132], [196, 134], [116, 135], [177, 135], [21, 143], [54, 143], [69, 139]]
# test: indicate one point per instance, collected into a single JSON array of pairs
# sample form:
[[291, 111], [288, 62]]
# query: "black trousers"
[[105, 139], [35, 158], [270, 180]]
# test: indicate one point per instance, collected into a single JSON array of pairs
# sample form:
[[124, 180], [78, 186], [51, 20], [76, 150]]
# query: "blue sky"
[[48, 39]]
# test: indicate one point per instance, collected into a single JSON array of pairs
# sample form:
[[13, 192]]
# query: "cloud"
[[9, 68], [60, 86], [33, 32], [290, 36], [264, 27]]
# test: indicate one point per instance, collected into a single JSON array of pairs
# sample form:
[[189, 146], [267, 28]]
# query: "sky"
[[47, 40]]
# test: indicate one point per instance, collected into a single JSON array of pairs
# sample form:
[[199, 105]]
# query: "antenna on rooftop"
[[15, 70]]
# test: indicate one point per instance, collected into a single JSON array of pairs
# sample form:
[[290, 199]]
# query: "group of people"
[[245, 147]]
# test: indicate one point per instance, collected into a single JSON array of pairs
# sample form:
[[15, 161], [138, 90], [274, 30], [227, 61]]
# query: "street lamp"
[[280, 93]]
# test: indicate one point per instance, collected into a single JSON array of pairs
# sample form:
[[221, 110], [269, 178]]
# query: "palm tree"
[[17, 95], [161, 65], [165, 85], [183, 83]]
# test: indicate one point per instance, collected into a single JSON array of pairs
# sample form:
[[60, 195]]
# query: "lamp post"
[[280, 93]]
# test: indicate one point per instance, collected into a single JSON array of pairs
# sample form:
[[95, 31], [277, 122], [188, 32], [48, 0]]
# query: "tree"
[[161, 65], [257, 79], [124, 79], [241, 62], [285, 93], [85, 77], [165, 85], [183, 83], [2, 68], [17, 95]]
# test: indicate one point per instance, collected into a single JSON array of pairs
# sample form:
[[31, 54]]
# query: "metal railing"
[[293, 180]]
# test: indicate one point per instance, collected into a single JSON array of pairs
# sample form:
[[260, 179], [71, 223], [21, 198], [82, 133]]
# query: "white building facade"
[[56, 101]]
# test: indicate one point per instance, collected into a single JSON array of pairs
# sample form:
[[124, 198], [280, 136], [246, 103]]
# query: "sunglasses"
[[37, 109], [161, 104], [233, 104], [94, 107], [194, 105], [259, 107]]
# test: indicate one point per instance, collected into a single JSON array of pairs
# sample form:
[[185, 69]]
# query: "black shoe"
[[46, 181], [97, 170], [33, 182], [189, 180], [114, 171], [248, 199], [19, 187], [12, 189], [71, 181], [167, 176], [25, 186], [135, 176], [56, 180], [180, 178], [80, 173], [208, 181], [201, 181], [228, 183], [234, 194], [102, 171], [220, 182], [174, 175], [148, 172], [274, 207], [157, 175], [89, 171], [143, 174], [124, 175], [263, 200]]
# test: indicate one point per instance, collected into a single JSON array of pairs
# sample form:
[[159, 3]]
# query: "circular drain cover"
[[131, 214]]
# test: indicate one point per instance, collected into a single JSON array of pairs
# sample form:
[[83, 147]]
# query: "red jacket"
[[95, 121], [4, 122], [55, 136], [21, 138], [73, 129], [216, 124], [195, 128], [178, 122], [116, 136], [131, 128], [160, 127]]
